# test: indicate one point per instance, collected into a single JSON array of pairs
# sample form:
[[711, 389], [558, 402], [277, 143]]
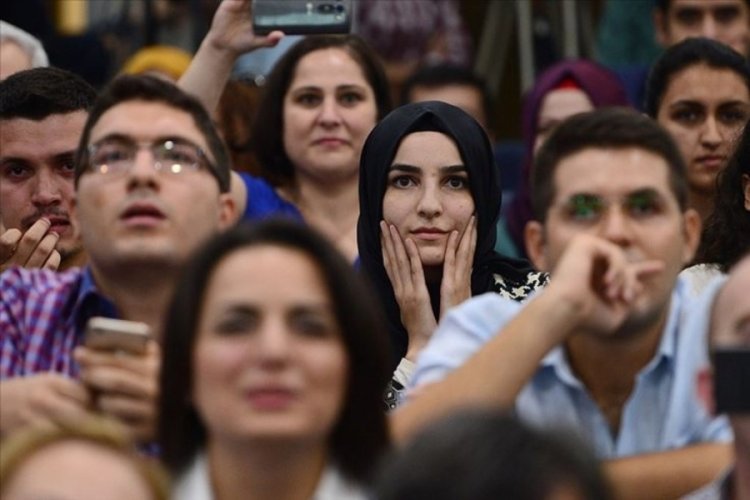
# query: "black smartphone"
[[117, 335], [302, 17], [732, 379]]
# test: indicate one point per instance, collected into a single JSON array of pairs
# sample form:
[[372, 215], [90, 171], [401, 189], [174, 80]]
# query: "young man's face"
[[726, 21], [705, 109], [141, 214], [622, 196], [36, 174]]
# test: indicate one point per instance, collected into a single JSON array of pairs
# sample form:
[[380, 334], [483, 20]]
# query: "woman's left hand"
[[459, 258]]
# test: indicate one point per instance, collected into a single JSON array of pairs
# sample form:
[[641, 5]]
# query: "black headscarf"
[[484, 184]]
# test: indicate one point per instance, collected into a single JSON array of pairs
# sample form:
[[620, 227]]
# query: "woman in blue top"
[[321, 100]]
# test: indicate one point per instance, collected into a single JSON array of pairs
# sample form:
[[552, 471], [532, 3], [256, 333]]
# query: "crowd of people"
[[337, 304]]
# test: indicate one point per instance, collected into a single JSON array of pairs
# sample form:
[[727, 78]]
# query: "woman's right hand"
[[232, 29], [231, 34], [404, 269]]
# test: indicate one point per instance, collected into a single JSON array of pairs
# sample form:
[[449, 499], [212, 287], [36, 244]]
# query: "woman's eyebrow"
[[403, 167], [453, 169]]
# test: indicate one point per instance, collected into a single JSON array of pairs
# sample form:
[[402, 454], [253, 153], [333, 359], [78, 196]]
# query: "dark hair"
[[147, 88], [663, 5], [361, 434], [37, 93], [484, 455], [690, 52], [726, 234], [268, 128], [444, 74], [617, 128]]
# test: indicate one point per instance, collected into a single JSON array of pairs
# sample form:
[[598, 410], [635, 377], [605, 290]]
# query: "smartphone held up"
[[302, 17]]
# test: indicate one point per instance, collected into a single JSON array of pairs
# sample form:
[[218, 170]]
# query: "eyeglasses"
[[116, 156], [591, 208]]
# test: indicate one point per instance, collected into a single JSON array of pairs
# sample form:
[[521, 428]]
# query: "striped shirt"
[[42, 318]]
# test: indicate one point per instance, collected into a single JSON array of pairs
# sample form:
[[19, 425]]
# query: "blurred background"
[[507, 42]]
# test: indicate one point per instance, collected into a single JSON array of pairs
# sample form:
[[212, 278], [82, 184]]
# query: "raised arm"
[[592, 289], [231, 35], [496, 374], [669, 474]]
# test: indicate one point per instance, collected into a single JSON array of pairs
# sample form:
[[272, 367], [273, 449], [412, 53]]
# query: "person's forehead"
[[721, 80], [54, 135], [14, 58], [611, 171], [706, 5], [144, 120], [341, 69], [462, 95], [559, 104]]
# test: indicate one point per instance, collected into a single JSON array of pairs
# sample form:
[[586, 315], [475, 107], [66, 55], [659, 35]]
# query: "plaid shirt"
[[42, 318]]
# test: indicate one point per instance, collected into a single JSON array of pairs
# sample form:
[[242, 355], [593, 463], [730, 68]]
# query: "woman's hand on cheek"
[[459, 258], [404, 269]]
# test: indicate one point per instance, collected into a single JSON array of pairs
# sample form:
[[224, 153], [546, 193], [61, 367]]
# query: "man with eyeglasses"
[[603, 351], [151, 184]]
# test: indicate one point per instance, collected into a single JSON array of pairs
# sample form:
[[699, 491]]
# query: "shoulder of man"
[[461, 333], [18, 279], [21, 288]]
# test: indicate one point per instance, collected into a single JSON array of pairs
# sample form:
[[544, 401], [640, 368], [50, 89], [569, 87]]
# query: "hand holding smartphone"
[[302, 17], [107, 334]]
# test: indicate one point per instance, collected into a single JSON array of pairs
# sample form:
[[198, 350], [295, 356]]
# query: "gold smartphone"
[[107, 334]]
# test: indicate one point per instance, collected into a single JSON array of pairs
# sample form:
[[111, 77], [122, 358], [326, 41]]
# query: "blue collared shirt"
[[663, 411]]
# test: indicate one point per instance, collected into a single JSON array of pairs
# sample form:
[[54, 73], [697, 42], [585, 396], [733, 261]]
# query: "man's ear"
[[704, 382], [661, 32], [536, 244], [692, 227], [746, 190], [228, 214]]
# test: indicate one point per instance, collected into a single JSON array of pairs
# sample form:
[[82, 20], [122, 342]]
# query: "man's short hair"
[[444, 74], [37, 93], [615, 128], [482, 455], [691, 52], [147, 88]]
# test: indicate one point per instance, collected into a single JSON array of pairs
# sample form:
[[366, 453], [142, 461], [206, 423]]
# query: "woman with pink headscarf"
[[564, 89]]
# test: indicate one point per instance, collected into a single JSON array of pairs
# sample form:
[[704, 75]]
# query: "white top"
[[699, 276], [195, 484]]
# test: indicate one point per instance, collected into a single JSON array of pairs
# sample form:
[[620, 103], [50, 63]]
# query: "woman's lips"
[[712, 162], [270, 399], [329, 142], [428, 234]]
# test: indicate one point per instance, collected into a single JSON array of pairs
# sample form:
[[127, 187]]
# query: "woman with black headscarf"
[[430, 196]]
